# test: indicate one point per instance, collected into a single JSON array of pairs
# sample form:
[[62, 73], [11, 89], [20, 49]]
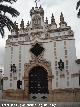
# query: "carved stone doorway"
[[38, 84], [40, 71]]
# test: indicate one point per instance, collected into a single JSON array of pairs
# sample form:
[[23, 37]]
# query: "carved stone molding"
[[33, 63]]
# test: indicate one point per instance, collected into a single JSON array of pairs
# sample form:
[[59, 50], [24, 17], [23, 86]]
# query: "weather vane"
[[36, 1]]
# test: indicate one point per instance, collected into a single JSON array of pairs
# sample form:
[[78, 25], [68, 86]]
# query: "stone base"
[[57, 95], [15, 95]]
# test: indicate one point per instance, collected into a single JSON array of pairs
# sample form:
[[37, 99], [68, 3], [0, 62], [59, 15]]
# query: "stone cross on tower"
[[36, 1]]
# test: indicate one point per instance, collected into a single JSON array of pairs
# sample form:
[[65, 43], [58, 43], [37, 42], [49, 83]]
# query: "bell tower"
[[37, 17]]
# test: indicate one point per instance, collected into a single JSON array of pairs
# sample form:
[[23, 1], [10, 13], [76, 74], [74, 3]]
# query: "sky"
[[67, 7]]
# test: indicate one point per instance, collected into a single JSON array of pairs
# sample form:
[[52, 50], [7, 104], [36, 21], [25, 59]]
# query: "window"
[[66, 67], [19, 56], [19, 65], [19, 75], [56, 78], [64, 47], [65, 56], [67, 72], [56, 73], [10, 79], [10, 75], [11, 56], [67, 83], [54, 44], [64, 42], [37, 49], [11, 52], [65, 52], [55, 52], [19, 69], [19, 51], [56, 84], [11, 48], [66, 62], [19, 60], [54, 48], [55, 68], [67, 78], [10, 84], [55, 63], [55, 57]]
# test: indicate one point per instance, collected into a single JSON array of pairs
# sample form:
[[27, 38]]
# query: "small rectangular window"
[[19, 51], [65, 56], [20, 60], [54, 44], [20, 48], [10, 75], [19, 69], [19, 65], [19, 56], [66, 62], [55, 57], [66, 67], [10, 84], [68, 83], [11, 56], [56, 84], [54, 51], [65, 52], [55, 68], [54, 48], [11, 52], [64, 42], [55, 63], [67, 78], [67, 72], [56, 73], [11, 48]]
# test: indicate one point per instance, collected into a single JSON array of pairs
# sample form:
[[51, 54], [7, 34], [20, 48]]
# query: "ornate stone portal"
[[28, 66]]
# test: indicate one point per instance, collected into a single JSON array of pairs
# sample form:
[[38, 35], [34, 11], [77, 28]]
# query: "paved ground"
[[12, 103]]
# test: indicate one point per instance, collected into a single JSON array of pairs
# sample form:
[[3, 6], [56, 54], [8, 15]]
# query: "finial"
[[52, 19], [36, 2], [22, 24], [40, 7], [15, 25], [52, 15], [46, 20], [28, 23], [61, 17]]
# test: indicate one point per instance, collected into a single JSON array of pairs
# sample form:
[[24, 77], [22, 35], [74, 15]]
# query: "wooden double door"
[[38, 84]]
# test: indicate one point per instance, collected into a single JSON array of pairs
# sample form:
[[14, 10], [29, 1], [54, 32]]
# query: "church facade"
[[40, 60]]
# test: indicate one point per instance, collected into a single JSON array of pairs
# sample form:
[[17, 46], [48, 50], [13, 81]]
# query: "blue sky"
[[67, 7]]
